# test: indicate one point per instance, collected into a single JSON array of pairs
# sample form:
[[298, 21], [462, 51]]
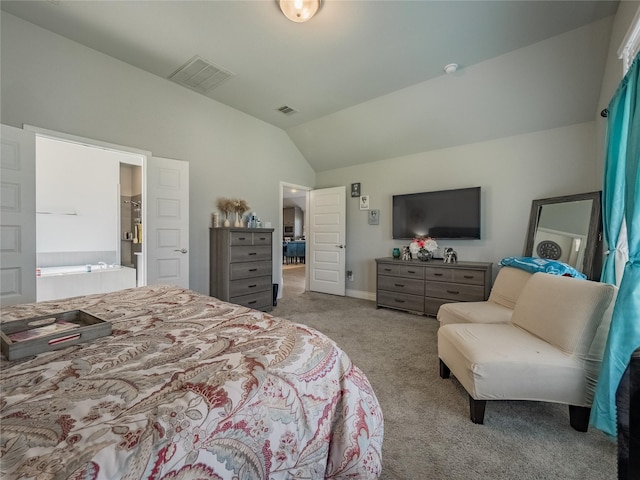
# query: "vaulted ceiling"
[[365, 78]]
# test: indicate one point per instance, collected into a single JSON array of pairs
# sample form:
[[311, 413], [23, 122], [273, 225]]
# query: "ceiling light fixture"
[[299, 10]]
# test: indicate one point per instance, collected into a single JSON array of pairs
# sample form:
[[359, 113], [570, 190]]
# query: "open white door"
[[167, 229], [327, 240], [17, 216]]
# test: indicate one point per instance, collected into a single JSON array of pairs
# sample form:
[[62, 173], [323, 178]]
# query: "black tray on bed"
[[31, 336]]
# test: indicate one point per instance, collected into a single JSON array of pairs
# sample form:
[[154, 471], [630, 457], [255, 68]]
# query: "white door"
[[17, 216], [327, 240], [167, 229]]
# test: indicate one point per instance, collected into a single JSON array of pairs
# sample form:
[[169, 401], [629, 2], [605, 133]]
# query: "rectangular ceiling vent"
[[200, 75], [287, 110]]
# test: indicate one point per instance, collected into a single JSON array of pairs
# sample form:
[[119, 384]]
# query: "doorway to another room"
[[80, 240], [131, 217], [294, 240]]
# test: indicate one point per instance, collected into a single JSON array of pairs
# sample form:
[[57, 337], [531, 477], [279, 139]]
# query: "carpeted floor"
[[428, 434]]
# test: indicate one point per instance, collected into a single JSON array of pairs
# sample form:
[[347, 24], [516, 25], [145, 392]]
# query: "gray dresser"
[[421, 287], [241, 266]]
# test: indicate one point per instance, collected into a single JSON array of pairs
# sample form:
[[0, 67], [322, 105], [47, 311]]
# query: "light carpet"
[[428, 434]]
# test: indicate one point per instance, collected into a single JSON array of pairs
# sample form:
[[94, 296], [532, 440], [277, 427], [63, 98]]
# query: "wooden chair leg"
[[579, 417], [476, 410], [444, 370]]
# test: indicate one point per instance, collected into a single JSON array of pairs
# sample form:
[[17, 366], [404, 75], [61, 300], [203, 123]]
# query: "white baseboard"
[[361, 294]]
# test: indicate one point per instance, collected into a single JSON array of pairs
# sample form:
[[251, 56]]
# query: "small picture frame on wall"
[[364, 202], [355, 189], [374, 217]]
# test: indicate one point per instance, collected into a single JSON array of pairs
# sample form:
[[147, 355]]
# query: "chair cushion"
[[504, 362], [473, 312], [563, 311], [508, 285]]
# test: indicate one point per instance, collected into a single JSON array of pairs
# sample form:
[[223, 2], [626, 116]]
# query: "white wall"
[[53, 83], [511, 172], [77, 187]]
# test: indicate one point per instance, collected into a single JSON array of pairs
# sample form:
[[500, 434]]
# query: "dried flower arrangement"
[[240, 206], [236, 205], [225, 205]]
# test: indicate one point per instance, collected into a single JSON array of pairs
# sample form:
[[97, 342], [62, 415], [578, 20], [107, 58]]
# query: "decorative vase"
[[238, 222], [227, 223], [424, 255], [396, 253], [414, 249]]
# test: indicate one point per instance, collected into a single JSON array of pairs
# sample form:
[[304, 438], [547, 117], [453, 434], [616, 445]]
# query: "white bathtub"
[[53, 283]]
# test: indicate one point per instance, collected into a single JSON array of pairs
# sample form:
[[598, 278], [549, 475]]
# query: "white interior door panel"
[[327, 240], [17, 216]]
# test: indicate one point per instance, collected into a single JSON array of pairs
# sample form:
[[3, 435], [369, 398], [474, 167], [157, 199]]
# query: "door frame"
[[90, 142], [280, 234]]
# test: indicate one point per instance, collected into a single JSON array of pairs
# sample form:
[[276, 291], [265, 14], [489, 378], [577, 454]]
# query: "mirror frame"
[[594, 235]]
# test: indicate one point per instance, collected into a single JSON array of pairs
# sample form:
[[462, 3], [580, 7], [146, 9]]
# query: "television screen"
[[445, 214]]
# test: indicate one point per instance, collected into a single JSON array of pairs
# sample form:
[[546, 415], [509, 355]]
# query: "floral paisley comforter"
[[186, 387]]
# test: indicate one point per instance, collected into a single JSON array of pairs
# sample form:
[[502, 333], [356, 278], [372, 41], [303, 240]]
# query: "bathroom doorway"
[[79, 210], [131, 209]]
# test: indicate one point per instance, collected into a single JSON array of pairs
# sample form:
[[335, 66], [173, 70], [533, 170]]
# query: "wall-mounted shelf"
[[58, 213]]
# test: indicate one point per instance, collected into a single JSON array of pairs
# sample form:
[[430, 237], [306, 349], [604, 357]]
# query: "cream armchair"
[[498, 307], [550, 351]]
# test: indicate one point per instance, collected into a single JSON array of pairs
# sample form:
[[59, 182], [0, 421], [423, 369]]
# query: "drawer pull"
[[253, 269], [399, 284], [241, 238], [398, 300], [253, 286], [263, 238], [453, 292], [387, 269], [438, 274], [469, 276], [411, 271], [253, 253], [252, 302]]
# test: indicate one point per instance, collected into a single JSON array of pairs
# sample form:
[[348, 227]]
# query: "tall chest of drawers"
[[421, 287], [241, 266]]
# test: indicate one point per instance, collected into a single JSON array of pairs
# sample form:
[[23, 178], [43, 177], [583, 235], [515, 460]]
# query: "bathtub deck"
[[62, 282]]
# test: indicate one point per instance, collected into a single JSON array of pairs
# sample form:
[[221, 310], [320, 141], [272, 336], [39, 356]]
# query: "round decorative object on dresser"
[[549, 249], [424, 255]]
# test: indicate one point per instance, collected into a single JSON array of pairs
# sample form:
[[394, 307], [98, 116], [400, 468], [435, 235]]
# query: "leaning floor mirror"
[[567, 229]]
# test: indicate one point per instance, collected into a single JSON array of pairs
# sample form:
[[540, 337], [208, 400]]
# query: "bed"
[[186, 387]]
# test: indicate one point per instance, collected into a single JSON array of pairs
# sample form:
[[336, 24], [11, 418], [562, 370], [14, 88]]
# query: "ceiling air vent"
[[287, 110], [200, 75]]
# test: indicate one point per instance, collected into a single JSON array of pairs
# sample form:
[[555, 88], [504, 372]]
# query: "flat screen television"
[[444, 214]]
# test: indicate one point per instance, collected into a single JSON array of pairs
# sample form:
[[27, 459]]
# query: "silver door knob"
[[181, 250], [341, 246]]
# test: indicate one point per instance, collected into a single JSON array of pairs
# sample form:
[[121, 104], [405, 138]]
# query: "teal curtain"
[[622, 174], [613, 200]]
